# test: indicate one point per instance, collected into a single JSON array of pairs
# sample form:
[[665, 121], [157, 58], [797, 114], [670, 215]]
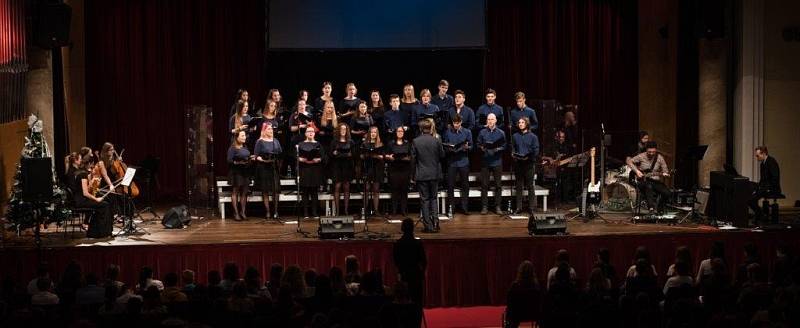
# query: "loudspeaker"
[[176, 218], [37, 179], [547, 224], [336, 227], [52, 25]]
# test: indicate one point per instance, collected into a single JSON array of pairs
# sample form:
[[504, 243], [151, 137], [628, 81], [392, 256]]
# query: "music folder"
[[454, 147], [494, 145], [310, 153]]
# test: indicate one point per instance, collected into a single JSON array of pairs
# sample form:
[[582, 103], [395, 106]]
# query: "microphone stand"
[[297, 184]]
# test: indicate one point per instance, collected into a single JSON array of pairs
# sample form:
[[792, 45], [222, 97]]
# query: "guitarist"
[[647, 170], [561, 176]]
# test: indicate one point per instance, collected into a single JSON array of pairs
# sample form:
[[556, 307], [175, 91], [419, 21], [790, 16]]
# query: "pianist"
[[769, 183]]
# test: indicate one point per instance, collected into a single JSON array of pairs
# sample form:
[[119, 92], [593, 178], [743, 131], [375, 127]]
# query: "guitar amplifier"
[[336, 227], [547, 224]]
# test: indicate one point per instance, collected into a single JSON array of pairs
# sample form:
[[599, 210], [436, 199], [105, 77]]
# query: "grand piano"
[[729, 195]]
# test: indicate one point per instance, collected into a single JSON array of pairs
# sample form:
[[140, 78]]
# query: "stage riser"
[[460, 272]]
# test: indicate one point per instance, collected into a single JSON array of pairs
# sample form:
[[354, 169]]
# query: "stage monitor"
[[392, 24]]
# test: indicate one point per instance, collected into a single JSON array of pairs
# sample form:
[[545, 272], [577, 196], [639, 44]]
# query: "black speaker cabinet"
[[52, 25], [547, 224], [37, 179], [176, 218], [336, 227]]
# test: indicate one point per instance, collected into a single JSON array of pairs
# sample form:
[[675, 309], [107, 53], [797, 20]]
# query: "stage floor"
[[213, 230]]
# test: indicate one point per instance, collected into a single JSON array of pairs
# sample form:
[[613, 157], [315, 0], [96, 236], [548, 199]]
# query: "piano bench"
[[772, 210]]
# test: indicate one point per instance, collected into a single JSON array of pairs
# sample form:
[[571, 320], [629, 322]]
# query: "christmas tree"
[[22, 214]]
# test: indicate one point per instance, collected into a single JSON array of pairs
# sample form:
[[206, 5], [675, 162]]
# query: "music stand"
[[129, 227], [368, 152]]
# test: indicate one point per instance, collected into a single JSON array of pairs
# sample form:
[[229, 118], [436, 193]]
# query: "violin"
[[119, 167]]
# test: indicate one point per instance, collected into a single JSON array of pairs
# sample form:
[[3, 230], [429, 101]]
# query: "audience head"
[[171, 280], [643, 268], [310, 277], [187, 276], [43, 284], [526, 273], [407, 227], [563, 275], [275, 272], [598, 281], [230, 272], [717, 251], [641, 254], [91, 279], [214, 278], [293, 278], [682, 268], [562, 256], [351, 264], [604, 256], [112, 272]]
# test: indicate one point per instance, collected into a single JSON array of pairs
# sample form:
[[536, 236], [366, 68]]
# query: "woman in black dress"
[[238, 121], [238, 177], [342, 149], [102, 224], [309, 157], [376, 108], [327, 124], [360, 126], [267, 151], [409, 100], [398, 156], [372, 155], [241, 95], [327, 88], [348, 105]]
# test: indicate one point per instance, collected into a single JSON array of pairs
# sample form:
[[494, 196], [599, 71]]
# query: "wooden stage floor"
[[213, 230]]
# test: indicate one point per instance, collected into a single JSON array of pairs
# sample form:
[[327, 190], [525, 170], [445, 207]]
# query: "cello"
[[119, 168]]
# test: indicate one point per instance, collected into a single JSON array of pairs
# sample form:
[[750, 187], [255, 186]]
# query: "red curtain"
[[578, 52], [146, 60], [460, 272]]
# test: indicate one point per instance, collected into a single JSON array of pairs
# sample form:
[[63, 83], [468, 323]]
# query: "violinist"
[[238, 160], [86, 183], [342, 148], [267, 150]]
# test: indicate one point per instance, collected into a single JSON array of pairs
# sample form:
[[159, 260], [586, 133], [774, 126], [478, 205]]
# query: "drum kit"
[[620, 193]]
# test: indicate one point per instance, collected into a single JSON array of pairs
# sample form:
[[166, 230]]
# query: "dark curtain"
[[577, 52], [460, 272], [146, 60]]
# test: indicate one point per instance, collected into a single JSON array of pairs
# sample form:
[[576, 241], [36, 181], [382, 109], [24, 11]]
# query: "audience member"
[[717, 252], [91, 293], [44, 295], [641, 254], [172, 293], [230, 276], [411, 261], [562, 257], [112, 276], [522, 301], [603, 261], [146, 280], [682, 254]]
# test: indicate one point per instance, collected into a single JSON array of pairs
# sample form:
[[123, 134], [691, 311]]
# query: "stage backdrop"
[[147, 60]]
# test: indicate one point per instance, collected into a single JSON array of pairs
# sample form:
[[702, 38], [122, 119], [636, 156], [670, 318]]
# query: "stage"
[[472, 261]]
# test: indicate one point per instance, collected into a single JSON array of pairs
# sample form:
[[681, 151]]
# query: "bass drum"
[[621, 196]]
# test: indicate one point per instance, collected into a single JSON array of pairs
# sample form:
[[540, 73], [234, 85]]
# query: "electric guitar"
[[594, 185]]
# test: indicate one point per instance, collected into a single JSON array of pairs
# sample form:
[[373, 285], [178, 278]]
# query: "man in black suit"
[[428, 151], [770, 183], [410, 260]]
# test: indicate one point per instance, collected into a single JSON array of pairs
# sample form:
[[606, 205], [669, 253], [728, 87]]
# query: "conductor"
[[428, 152]]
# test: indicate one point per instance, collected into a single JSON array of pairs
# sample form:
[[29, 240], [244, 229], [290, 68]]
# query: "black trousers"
[[462, 174], [754, 205], [496, 172], [523, 176], [653, 189], [399, 177], [430, 205], [310, 197]]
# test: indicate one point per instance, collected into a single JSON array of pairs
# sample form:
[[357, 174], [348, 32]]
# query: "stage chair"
[[77, 217], [770, 206]]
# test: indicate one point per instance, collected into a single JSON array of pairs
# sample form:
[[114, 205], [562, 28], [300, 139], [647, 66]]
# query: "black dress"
[[238, 175], [400, 167], [102, 223], [267, 173], [342, 162], [373, 167], [310, 174]]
